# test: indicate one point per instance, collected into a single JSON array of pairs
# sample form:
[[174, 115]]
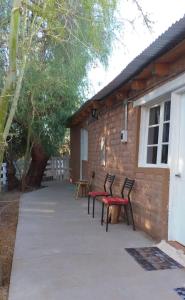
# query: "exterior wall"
[[150, 195], [150, 201]]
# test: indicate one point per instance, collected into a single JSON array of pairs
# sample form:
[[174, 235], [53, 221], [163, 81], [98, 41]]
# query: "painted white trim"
[[176, 97], [142, 138], [143, 145], [176, 89], [166, 88], [159, 148], [154, 166], [83, 148]]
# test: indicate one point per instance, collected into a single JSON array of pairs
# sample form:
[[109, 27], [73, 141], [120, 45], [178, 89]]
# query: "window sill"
[[154, 170], [154, 166]]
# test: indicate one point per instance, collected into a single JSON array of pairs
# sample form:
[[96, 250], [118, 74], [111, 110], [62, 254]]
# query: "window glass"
[[152, 155], [153, 134], [154, 115], [166, 130], [158, 134], [167, 109], [164, 155]]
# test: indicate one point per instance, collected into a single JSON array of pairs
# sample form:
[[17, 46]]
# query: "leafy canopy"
[[72, 35]]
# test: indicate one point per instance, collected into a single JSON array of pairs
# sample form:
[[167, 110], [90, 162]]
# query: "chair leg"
[[94, 198], [126, 213], [107, 220], [134, 228], [89, 197], [102, 213]]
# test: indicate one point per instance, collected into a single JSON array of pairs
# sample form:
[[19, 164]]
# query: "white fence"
[[58, 168], [3, 176]]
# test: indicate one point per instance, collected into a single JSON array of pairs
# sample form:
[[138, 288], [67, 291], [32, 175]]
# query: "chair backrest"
[[109, 180], [127, 187]]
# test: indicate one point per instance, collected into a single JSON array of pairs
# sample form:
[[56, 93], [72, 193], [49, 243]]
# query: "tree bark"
[[13, 182], [10, 79], [27, 156], [37, 166]]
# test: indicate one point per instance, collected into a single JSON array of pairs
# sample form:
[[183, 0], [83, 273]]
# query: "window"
[[154, 143]]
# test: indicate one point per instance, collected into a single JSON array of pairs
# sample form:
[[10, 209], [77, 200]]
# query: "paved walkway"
[[61, 253]]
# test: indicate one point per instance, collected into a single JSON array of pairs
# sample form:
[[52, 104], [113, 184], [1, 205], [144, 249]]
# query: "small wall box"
[[124, 136]]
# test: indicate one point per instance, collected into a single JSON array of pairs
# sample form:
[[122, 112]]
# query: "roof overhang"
[[159, 92], [163, 44]]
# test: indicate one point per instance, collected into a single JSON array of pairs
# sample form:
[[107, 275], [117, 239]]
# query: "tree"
[[55, 91], [74, 33], [61, 21]]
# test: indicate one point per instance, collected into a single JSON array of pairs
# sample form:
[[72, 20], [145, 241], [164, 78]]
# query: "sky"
[[133, 40]]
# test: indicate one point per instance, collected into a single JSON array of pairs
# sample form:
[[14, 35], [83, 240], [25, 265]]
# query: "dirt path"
[[9, 207]]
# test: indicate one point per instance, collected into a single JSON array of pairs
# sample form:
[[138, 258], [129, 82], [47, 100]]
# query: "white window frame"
[[144, 128]]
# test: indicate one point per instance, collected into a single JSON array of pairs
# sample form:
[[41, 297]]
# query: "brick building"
[[135, 127]]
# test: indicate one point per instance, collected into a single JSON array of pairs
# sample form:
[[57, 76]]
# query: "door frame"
[[176, 88], [84, 145], [176, 99]]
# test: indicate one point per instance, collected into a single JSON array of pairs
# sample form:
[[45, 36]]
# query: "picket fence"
[[3, 175], [58, 168]]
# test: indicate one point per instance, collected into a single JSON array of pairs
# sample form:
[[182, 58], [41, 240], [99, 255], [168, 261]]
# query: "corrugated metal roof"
[[166, 41]]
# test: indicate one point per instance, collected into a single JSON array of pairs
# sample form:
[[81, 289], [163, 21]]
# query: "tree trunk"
[[27, 157], [37, 166], [13, 182], [10, 79]]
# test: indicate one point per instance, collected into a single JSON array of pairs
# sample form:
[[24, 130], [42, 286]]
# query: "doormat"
[[181, 292], [152, 258]]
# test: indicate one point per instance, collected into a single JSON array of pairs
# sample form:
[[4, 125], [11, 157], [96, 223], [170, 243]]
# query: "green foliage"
[[56, 72], [5, 10], [45, 53], [16, 142]]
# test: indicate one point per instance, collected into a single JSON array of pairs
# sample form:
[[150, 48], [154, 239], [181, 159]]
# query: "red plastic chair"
[[124, 201], [109, 179]]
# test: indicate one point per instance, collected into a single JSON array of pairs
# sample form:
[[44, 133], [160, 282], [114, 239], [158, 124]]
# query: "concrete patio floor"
[[61, 253]]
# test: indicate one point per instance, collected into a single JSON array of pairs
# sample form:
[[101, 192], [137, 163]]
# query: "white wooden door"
[[177, 170], [83, 148]]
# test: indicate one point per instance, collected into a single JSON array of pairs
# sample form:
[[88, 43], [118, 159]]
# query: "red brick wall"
[[150, 196], [119, 157], [151, 193], [150, 201]]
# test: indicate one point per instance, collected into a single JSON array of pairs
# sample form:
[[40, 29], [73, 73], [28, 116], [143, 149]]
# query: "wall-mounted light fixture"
[[94, 113]]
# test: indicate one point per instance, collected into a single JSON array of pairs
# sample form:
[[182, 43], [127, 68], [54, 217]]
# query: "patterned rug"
[[152, 258], [181, 292]]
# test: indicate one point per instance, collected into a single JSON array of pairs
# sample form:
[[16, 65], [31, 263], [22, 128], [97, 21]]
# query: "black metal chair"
[[124, 201], [109, 179]]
